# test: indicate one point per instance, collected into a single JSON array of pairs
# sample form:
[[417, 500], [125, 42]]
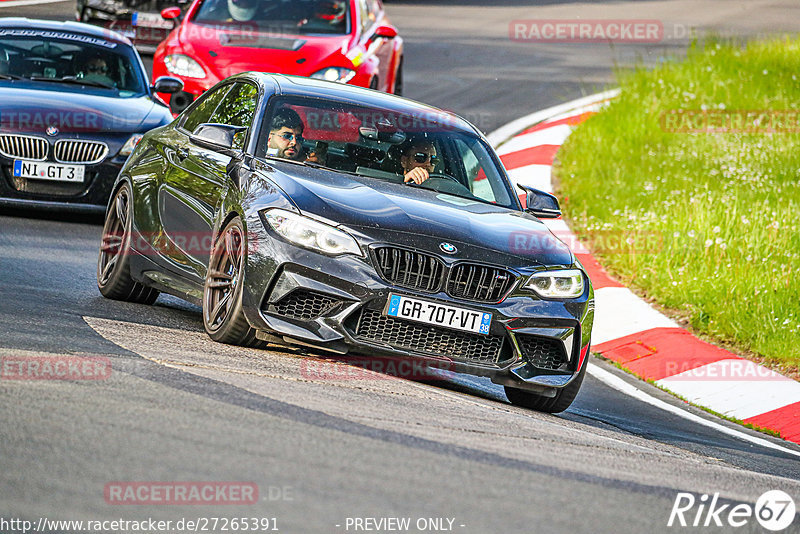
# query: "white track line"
[[504, 133], [17, 3], [621, 385]]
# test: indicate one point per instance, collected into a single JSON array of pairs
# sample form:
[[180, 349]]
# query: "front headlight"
[[184, 66], [335, 74], [308, 233], [130, 144], [566, 283]]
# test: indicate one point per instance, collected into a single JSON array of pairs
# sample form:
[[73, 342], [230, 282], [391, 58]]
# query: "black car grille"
[[479, 282], [409, 269], [80, 151], [23, 146], [543, 352], [304, 304], [435, 341]]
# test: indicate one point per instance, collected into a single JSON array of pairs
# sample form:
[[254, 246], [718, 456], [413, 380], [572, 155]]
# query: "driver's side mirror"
[[387, 32], [167, 84], [540, 203], [218, 137]]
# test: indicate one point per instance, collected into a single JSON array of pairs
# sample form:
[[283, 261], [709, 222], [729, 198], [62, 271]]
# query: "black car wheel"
[[557, 404], [113, 272], [398, 80], [222, 292]]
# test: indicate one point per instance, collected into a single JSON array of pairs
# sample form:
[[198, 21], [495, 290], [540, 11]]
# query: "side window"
[[202, 111], [480, 186], [238, 109], [364, 14]]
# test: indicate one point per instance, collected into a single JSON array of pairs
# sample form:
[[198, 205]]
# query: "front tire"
[[113, 263], [223, 317], [557, 404]]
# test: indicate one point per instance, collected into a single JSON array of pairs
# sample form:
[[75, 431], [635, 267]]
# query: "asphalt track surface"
[[178, 407]]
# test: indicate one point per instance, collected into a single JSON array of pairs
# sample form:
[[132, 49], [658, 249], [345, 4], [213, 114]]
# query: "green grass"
[[724, 206]]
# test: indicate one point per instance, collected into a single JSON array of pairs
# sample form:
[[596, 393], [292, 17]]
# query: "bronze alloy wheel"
[[222, 292], [113, 273]]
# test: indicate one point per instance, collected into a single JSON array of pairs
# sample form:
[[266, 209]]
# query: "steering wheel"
[[443, 183]]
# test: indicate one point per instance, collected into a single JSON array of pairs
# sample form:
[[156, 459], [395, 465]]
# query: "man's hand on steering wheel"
[[416, 175]]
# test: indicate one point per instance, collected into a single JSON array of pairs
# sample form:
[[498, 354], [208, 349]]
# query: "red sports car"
[[347, 41]]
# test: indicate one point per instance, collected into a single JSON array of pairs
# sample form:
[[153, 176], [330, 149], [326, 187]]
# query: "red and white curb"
[[629, 331]]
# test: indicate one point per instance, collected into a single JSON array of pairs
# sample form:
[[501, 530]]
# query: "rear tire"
[[557, 404], [113, 270], [223, 317]]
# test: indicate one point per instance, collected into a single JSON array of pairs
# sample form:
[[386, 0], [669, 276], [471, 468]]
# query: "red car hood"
[[224, 52]]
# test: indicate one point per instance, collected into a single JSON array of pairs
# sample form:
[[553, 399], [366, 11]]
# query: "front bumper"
[[338, 304], [90, 195]]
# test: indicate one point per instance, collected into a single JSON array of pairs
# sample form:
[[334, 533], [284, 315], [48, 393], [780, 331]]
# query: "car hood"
[[226, 52], [32, 109], [383, 211]]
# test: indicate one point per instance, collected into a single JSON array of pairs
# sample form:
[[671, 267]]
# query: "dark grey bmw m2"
[[308, 212]]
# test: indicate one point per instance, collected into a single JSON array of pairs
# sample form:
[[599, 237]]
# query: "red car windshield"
[[278, 16]]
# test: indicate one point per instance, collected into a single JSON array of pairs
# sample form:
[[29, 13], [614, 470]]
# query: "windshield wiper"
[[71, 79], [10, 77]]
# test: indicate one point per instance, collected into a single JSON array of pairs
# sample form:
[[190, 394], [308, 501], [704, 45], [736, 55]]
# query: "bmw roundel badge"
[[51, 131], [447, 248]]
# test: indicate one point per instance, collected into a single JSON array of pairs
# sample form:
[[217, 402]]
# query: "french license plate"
[[150, 20], [42, 170], [427, 312]]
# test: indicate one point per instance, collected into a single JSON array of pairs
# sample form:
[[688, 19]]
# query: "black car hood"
[[31, 107], [413, 215]]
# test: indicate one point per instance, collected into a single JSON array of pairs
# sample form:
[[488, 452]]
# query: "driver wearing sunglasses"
[[418, 160]]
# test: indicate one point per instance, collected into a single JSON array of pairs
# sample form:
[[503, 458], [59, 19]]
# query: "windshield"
[[55, 56], [278, 16], [425, 150]]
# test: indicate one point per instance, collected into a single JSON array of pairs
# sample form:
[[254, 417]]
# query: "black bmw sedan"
[[74, 101], [306, 212]]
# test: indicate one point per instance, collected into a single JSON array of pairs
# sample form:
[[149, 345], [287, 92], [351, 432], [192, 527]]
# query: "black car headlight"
[[563, 283], [308, 233]]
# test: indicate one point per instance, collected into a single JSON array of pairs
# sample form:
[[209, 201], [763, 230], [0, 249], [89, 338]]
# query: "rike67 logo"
[[774, 511]]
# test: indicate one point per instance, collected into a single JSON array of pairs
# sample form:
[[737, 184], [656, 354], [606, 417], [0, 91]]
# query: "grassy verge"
[[709, 219]]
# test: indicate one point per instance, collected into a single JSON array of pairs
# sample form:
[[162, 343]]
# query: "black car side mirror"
[[540, 203], [167, 84], [219, 137]]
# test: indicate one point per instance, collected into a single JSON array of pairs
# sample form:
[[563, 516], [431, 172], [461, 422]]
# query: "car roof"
[[67, 27], [310, 87]]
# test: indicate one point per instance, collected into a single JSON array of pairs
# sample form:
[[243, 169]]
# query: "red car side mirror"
[[387, 32], [171, 13]]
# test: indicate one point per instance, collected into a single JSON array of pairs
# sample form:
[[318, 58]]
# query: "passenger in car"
[[286, 138]]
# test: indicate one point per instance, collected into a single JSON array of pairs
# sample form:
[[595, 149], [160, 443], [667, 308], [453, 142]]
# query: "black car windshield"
[[386, 145], [61, 57], [278, 16]]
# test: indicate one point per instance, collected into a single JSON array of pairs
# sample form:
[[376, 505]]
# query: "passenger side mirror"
[[171, 13], [167, 84], [541, 204], [218, 137]]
